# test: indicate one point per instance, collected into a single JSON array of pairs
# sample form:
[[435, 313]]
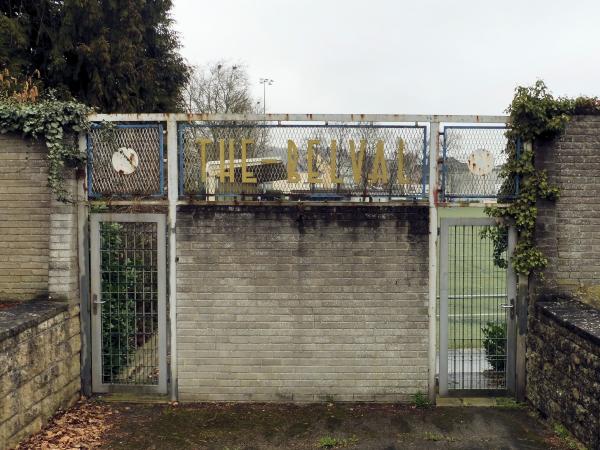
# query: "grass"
[[509, 403], [476, 287], [420, 400], [332, 442], [566, 437], [436, 437]]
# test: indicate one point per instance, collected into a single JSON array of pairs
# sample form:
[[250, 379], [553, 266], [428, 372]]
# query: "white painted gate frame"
[[172, 120]]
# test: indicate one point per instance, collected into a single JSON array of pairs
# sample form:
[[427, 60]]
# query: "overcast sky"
[[418, 56]]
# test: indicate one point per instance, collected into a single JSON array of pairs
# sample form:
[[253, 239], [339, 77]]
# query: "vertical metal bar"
[[434, 128], [162, 304], [463, 286], [96, 325], [173, 177], [455, 293], [425, 164], [443, 375], [472, 299], [444, 168], [511, 329], [161, 162], [84, 288], [181, 150]]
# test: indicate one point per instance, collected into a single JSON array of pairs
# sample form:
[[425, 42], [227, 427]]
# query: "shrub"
[[494, 342]]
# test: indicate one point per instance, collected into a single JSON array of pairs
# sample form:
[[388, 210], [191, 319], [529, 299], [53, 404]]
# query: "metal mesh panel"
[[473, 158], [129, 318], [388, 164], [477, 323], [147, 171]]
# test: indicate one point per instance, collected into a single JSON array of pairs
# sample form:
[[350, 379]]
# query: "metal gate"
[[128, 272], [477, 297]]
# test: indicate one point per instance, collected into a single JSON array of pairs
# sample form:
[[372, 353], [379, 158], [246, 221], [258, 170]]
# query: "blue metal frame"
[[445, 196], [161, 163], [180, 147]]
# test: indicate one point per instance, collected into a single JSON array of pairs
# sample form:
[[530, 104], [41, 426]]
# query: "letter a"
[[379, 173], [357, 162]]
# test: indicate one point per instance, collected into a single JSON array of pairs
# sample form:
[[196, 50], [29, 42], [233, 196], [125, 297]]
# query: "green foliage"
[[114, 55], [494, 343], [535, 116], [118, 311], [499, 236], [420, 400], [26, 34], [58, 123]]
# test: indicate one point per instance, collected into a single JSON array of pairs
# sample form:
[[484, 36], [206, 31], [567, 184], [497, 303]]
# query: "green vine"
[[536, 116], [58, 123]]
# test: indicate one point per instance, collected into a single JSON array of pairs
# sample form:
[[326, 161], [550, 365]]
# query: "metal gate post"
[[443, 372], [434, 129], [84, 280], [173, 192], [522, 306], [511, 331]]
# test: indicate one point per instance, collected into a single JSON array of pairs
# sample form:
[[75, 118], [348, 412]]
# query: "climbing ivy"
[[536, 116], [58, 123]]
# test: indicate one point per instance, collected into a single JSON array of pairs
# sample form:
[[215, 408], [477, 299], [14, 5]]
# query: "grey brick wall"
[[313, 304], [568, 230], [63, 266], [24, 219]]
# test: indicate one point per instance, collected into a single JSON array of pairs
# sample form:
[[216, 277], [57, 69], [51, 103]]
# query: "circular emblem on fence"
[[125, 160], [481, 162]]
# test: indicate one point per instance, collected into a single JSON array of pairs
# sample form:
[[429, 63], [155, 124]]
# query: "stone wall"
[[302, 304], [568, 230], [563, 366], [563, 340], [39, 366], [24, 219]]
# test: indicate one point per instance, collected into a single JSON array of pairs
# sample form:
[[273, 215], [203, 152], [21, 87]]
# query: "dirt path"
[[284, 426]]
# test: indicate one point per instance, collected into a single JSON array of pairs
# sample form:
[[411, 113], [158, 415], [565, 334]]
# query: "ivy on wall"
[[536, 116], [58, 123]]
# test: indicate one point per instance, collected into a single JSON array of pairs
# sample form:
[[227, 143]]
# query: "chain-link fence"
[[346, 161], [125, 160], [473, 157], [273, 161]]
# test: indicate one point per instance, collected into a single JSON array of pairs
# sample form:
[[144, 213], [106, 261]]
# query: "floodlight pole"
[[264, 82]]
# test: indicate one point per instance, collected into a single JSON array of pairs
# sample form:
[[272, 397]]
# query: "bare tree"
[[219, 87]]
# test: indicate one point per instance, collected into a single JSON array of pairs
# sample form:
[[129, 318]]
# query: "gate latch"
[[511, 307], [95, 303]]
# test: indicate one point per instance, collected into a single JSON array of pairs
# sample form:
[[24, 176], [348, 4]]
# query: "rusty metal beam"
[[401, 118]]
